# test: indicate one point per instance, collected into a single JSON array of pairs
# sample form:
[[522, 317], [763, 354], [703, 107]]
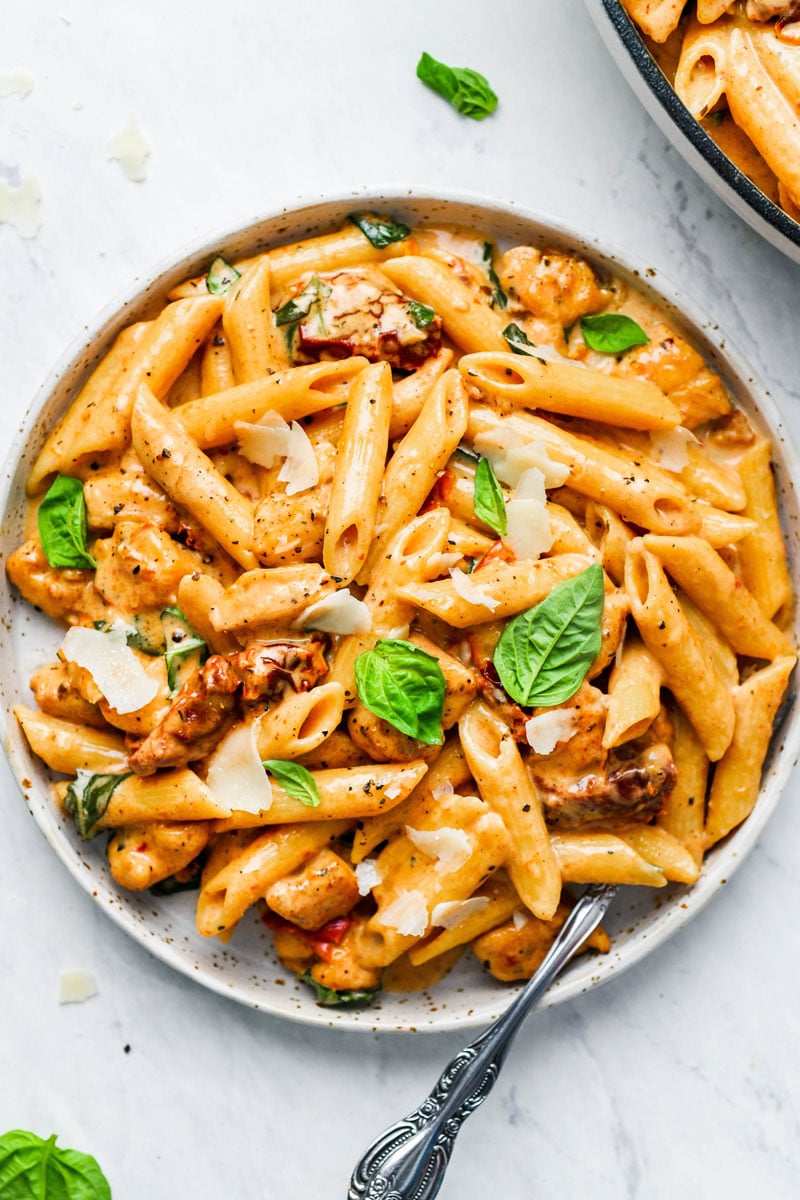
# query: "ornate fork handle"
[[409, 1159]]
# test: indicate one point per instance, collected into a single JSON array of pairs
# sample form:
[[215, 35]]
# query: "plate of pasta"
[[378, 575], [722, 81]]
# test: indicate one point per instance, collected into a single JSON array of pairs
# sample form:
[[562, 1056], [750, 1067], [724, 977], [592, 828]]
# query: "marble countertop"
[[680, 1077]]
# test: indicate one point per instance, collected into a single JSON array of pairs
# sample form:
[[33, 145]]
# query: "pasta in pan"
[[406, 583]]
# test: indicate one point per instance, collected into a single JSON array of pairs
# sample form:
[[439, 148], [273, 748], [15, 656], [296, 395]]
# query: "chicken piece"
[[56, 695], [514, 951], [140, 567], [359, 312], [554, 287], [127, 492], [635, 788], [341, 969], [291, 529], [265, 668], [324, 888], [765, 10], [141, 855], [64, 593]]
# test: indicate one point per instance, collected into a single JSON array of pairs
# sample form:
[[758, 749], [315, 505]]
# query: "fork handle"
[[409, 1159]]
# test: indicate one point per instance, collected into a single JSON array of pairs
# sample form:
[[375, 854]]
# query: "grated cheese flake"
[[449, 847], [236, 775], [131, 149], [671, 448], [271, 439], [529, 534], [408, 914], [76, 985], [466, 587], [520, 918], [511, 455], [15, 83], [19, 205], [340, 612], [113, 666], [368, 875], [451, 913], [547, 729]]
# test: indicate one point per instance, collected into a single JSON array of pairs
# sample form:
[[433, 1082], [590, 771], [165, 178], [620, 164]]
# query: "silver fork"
[[409, 1159]]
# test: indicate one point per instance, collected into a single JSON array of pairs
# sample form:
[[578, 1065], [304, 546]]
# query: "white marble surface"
[[681, 1078]]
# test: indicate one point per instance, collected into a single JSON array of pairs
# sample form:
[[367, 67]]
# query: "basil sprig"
[[487, 499], [34, 1169], [468, 91], [420, 314], [295, 779], [543, 654], [380, 232], [221, 276], [330, 997], [293, 311], [62, 524], [87, 799], [180, 643], [405, 686], [499, 297], [612, 333], [518, 340]]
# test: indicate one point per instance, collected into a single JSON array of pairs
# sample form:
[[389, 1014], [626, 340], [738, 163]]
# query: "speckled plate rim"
[[653, 89], [642, 919]]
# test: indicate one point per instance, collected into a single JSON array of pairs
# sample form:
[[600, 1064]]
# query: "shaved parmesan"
[[452, 913], [391, 793], [131, 149], [520, 918], [75, 986], [546, 730], [439, 563], [466, 587], [529, 534], [338, 613], [236, 775], [368, 875], [271, 439], [19, 206], [113, 666], [15, 83], [671, 448], [449, 847], [408, 914], [511, 455], [445, 788]]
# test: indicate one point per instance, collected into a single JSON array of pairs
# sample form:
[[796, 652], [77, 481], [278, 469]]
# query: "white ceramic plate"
[[247, 969], [653, 89]]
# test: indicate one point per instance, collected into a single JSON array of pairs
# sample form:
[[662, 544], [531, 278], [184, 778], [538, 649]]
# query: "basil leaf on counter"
[[611, 333], [499, 297], [62, 524], [34, 1169], [329, 996], [420, 314], [488, 502], [295, 779], [221, 276], [87, 799], [543, 654], [468, 91], [405, 686], [380, 231]]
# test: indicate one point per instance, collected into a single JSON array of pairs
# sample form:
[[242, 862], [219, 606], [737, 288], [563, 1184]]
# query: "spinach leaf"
[[296, 780], [87, 799], [420, 314], [328, 996], [34, 1169], [488, 502], [611, 333], [518, 340], [499, 297], [221, 276], [403, 685], [62, 524], [468, 91], [379, 231], [181, 641], [543, 654]]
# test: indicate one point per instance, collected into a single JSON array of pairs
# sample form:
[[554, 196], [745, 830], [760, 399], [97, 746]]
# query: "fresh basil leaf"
[[420, 314], [487, 501], [296, 780], [405, 686], [221, 276], [611, 333], [295, 310], [329, 996], [34, 1169], [499, 297], [468, 91], [135, 637], [62, 524], [180, 642], [379, 231], [518, 340], [543, 654], [87, 799]]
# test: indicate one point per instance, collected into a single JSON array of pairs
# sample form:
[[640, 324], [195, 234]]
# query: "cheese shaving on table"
[[15, 83], [271, 439], [19, 206], [76, 985], [450, 847], [338, 613], [408, 914], [546, 730], [466, 587], [529, 534], [451, 913], [113, 666], [368, 875], [236, 775], [510, 456], [671, 448], [131, 149]]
